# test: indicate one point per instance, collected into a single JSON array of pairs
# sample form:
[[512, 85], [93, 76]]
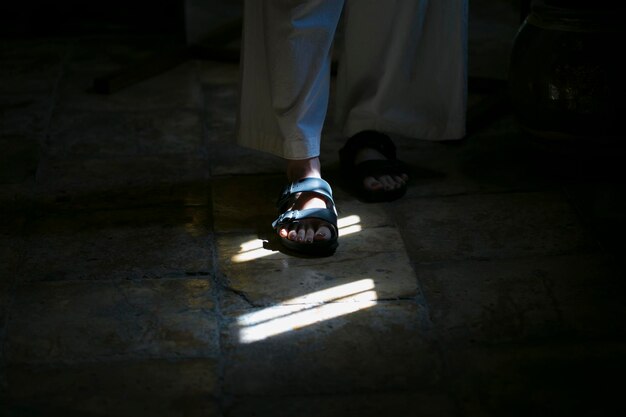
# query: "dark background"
[[72, 17]]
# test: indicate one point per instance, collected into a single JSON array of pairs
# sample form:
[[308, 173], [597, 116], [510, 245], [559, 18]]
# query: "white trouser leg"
[[285, 74], [403, 68]]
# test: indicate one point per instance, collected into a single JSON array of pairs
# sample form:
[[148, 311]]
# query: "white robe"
[[402, 70]]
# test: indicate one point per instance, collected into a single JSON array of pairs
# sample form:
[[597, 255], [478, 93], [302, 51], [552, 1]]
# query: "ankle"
[[303, 168]]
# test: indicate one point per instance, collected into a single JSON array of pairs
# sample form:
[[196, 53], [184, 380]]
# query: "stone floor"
[[140, 276]]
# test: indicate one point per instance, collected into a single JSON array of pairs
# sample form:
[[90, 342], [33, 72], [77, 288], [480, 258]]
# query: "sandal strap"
[[366, 139], [293, 216], [306, 185], [378, 167], [310, 185]]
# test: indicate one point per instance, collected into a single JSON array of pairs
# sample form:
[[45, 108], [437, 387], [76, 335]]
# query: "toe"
[[300, 234], [399, 180], [373, 184], [387, 182], [323, 233], [310, 233], [283, 232], [292, 235]]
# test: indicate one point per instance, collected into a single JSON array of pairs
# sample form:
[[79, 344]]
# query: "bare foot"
[[383, 182], [313, 229]]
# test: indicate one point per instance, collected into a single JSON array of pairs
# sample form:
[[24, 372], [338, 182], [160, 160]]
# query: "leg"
[[285, 82], [411, 79], [285, 75]]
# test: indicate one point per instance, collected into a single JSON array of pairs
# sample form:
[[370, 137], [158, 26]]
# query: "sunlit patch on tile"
[[306, 310], [348, 225], [250, 250], [253, 249]]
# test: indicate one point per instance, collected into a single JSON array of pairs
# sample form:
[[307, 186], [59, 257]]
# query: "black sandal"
[[356, 173], [289, 217]]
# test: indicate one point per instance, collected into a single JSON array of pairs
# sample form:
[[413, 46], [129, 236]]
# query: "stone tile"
[[602, 204], [221, 102], [119, 175], [397, 404], [29, 196], [510, 225], [555, 379], [11, 223], [245, 203], [116, 52], [119, 244], [86, 321], [24, 115], [126, 388], [501, 158], [347, 351], [157, 132], [214, 73], [31, 65], [173, 89], [34, 197], [10, 254], [587, 292], [15, 198], [268, 276], [3, 394], [19, 159], [513, 301]]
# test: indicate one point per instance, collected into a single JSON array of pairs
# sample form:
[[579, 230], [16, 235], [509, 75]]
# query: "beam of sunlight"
[[253, 249], [306, 310], [348, 221], [348, 225], [344, 291]]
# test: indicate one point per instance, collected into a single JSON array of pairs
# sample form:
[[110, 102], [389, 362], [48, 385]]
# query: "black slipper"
[[288, 218], [356, 173]]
